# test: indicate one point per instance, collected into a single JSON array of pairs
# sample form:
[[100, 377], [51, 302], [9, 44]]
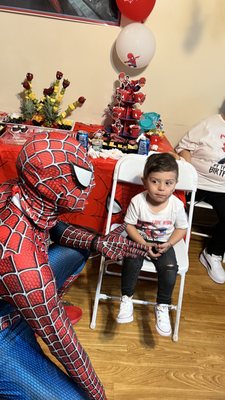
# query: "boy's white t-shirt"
[[206, 143], [156, 226]]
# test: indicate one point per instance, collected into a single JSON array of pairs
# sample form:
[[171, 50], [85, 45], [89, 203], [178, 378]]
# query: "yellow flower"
[[67, 122], [59, 98], [71, 107], [38, 118], [32, 96]]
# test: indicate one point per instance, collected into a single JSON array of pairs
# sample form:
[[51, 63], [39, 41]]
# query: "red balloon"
[[137, 10]]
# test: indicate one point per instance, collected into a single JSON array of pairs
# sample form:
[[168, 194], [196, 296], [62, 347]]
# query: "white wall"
[[185, 79]]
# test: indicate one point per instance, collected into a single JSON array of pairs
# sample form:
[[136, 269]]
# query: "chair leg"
[[178, 311], [97, 294]]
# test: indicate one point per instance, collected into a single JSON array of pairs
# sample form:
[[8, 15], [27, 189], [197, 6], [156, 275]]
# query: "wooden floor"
[[134, 362]]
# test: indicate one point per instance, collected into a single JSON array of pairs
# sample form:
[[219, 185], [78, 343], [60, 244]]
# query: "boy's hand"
[[163, 247], [153, 251]]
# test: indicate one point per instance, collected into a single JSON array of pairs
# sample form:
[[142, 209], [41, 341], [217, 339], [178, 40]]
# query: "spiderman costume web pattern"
[[55, 176]]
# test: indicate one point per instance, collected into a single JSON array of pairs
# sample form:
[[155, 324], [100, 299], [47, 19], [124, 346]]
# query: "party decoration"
[[137, 10], [152, 126], [125, 113], [135, 45], [46, 110], [151, 122]]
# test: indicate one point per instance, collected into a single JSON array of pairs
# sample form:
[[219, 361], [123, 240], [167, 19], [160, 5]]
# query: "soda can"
[[143, 146], [82, 137]]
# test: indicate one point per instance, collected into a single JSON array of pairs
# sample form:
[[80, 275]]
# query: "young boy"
[[157, 218]]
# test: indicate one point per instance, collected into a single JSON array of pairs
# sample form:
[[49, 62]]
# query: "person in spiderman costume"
[[55, 176]]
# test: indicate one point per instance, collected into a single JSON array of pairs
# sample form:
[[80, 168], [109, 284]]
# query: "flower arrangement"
[[46, 111]]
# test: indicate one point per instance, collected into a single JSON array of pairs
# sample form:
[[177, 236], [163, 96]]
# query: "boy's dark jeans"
[[166, 266]]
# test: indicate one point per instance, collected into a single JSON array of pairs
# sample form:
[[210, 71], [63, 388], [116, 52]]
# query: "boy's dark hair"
[[160, 162]]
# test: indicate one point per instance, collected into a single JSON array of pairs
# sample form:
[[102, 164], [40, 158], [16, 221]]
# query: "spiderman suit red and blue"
[[55, 176]]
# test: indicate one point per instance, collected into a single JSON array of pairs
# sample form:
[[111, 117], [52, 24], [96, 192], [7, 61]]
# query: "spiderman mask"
[[55, 176]]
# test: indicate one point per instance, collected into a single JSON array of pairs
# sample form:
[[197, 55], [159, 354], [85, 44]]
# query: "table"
[[95, 213]]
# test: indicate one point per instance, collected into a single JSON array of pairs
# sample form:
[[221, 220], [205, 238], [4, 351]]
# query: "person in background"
[[55, 176], [204, 147], [157, 218]]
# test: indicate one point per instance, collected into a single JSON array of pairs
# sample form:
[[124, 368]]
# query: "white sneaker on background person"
[[126, 310], [214, 267], [163, 325]]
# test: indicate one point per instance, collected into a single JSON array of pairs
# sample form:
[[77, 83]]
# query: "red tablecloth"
[[94, 215]]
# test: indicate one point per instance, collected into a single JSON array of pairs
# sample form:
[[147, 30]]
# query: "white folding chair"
[[130, 169]]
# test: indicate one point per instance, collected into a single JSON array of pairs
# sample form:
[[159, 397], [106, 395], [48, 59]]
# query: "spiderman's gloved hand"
[[113, 245]]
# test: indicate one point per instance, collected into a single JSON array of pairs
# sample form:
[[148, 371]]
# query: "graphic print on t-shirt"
[[154, 230]]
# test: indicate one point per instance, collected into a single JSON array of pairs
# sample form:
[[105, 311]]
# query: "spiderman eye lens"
[[116, 206], [83, 176]]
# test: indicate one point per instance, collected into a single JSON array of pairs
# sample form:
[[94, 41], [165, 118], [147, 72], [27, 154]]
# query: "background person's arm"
[[186, 154]]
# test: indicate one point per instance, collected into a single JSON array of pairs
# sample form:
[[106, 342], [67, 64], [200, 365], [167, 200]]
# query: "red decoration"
[[136, 10], [74, 313]]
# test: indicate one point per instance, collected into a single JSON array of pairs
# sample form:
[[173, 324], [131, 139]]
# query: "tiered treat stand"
[[125, 114]]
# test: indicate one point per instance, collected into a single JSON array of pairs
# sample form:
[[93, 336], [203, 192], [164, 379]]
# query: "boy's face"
[[160, 185]]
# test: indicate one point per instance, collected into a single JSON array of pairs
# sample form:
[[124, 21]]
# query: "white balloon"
[[135, 45]]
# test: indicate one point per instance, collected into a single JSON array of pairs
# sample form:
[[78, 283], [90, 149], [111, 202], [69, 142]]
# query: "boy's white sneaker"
[[163, 325], [126, 310], [214, 267]]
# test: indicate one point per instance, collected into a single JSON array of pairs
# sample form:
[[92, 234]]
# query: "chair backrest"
[[129, 169]]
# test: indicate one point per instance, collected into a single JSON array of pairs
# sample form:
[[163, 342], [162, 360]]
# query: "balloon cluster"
[[135, 45]]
